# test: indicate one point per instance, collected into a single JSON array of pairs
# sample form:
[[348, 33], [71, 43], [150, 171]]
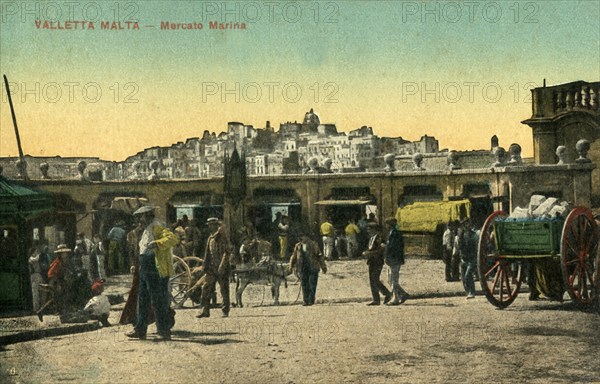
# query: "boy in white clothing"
[[98, 308]]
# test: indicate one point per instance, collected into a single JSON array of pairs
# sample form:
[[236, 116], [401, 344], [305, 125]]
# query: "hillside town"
[[294, 148]]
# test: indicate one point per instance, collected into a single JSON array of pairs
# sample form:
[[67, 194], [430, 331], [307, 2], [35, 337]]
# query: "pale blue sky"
[[370, 53]]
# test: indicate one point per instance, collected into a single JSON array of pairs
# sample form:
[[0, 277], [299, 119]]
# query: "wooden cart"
[[505, 246], [181, 281]]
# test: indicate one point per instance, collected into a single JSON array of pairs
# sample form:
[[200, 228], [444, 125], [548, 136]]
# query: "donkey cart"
[[565, 247]]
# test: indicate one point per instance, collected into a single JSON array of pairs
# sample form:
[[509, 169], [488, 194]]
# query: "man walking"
[[374, 254], [156, 266], [352, 232], [328, 233], [467, 243], [216, 268], [308, 259], [394, 258], [450, 255]]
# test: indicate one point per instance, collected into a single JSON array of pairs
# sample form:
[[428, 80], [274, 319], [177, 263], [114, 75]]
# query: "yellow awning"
[[426, 216]]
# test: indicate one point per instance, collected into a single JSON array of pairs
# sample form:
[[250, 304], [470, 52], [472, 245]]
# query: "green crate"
[[529, 237]]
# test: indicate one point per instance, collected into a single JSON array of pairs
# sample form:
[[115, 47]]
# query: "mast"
[[14, 118]]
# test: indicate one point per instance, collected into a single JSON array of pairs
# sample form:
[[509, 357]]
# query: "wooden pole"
[[14, 118]]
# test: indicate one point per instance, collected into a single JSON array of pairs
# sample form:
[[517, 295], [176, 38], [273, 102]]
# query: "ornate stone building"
[[562, 115]]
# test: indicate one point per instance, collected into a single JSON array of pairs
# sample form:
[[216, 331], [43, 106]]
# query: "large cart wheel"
[[500, 278], [179, 283], [578, 253]]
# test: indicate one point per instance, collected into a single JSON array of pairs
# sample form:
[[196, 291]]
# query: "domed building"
[[311, 122]]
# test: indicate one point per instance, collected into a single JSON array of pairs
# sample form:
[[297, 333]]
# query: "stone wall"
[[507, 187]]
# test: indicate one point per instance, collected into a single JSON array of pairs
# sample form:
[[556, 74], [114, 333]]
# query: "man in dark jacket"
[[467, 242], [374, 254], [394, 258], [308, 259], [216, 268]]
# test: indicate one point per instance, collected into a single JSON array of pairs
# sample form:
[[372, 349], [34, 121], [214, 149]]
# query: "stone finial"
[[44, 168], [21, 168], [313, 164], [561, 153], [327, 165], [417, 159], [452, 160], [582, 147], [515, 154], [81, 166], [499, 154], [389, 159], [154, 167], [135, 169]]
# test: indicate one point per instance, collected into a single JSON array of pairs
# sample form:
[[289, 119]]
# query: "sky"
[[460, 71]]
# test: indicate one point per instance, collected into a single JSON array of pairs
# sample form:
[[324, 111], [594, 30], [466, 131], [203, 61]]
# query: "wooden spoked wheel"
[[192, 262], [500, 278], [180, 282], [578, 255]]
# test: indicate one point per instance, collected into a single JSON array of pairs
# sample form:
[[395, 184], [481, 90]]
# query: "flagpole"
[[14, 118]]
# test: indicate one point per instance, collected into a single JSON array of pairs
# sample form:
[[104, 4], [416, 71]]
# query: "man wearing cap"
[[156, 266], [308, 259], [394, 258], [216, 268], [374, 255], [467, 242]]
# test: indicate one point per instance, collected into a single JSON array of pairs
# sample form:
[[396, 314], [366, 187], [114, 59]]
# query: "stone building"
[[287, 151], [561, 116]]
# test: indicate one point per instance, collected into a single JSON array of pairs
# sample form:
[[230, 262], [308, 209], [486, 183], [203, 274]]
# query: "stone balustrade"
[[575, 96]]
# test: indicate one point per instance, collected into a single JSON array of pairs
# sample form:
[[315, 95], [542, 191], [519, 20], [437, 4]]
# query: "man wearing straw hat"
[[57, 280], [156, 266]]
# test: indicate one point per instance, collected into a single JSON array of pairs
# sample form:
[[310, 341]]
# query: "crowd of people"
[[76, 277], [60, 281]]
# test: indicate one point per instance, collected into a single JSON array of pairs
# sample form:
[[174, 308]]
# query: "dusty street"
[[426, 340]]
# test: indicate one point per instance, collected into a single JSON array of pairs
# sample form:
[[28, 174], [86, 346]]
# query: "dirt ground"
[[426, 340]]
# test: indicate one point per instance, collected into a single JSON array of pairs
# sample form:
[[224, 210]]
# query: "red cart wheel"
[[500, 278], [578, 251]]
